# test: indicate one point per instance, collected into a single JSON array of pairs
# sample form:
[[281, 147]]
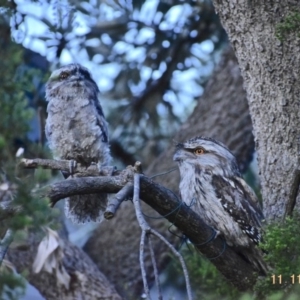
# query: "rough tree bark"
[[218, 106], [86, 281], [271, 73], [222, 112], [223, 92], [236, 269]]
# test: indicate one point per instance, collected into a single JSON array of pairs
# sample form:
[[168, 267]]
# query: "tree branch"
[[63, 165], [115, 202], [272, 92], [146, 231], [155, 270], [79, 276], [235, 269], [224, 114], [7, 210], [291, 201], [4, 244]]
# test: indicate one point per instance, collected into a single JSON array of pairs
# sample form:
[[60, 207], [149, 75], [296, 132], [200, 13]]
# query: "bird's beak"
[[178, 156]]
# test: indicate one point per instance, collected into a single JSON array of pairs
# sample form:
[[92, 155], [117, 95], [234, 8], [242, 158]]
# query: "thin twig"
[[165, 202], [155, 268], [183, 265], [163, 173], [291, 202], [4, 244], [64, 166], [145, 227], [146, 231], [41, 122], [142, 264], [115, 202]]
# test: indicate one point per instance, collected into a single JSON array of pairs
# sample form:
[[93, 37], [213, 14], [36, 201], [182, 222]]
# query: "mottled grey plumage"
[[77, 130], [212, 186]]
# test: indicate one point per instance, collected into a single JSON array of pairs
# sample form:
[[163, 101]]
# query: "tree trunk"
[[271, 73], [85, 279], [222, 112]]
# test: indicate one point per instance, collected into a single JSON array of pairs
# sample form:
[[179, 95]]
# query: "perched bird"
[[77, 130], [211, 184]]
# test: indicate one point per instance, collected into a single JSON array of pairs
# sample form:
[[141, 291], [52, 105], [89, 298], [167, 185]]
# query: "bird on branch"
[[76, 130], [211, 184]]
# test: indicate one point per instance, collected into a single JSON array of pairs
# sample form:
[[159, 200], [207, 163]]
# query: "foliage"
[[150, 58], [15, 116], [290, 24], [11, 286], [282, 246], [14, 111], [159, 65], [207, 282]]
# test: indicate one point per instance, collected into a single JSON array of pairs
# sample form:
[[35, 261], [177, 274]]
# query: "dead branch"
[[142, 264], [223, 102], [66, 269], [115, 202], [4, 244], [155, 269], [291, 202], [7, 210], [64, 166], [146, 231], [235, 269]]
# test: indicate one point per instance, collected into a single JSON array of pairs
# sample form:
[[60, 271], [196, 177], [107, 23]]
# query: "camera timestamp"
[[279, 279]]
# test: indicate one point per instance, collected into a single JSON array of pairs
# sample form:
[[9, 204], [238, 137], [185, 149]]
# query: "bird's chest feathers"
[[197, 191], [68, 107], [72, 126]]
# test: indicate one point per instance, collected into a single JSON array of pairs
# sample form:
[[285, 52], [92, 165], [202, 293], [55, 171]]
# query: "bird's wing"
[[101, 122], [240, 202], [250, 193]]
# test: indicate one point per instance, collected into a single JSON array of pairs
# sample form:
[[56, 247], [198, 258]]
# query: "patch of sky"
[[176, 17], [144, 35], [105, 38], [186, 81], [136, 54], [162, 110], [148, 11], [145, 73], [158, 17], [105, 75], [157, 73], [92, 42], [166, 44], [207, 46], [130, 35], [121, 47], [137, 88], [98, 59]]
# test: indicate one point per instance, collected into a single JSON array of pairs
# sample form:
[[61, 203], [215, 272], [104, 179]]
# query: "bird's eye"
[[199, 151], [64, 75]]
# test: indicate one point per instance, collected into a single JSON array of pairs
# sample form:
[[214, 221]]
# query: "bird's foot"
[[72, 166], [217, 233], [106, 170]]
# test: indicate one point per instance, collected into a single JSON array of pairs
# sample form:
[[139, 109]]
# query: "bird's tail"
[[86, 208], [255, 257]]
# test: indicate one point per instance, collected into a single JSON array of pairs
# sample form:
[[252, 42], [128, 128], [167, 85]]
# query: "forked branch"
[[234, 268], [146, 232]]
